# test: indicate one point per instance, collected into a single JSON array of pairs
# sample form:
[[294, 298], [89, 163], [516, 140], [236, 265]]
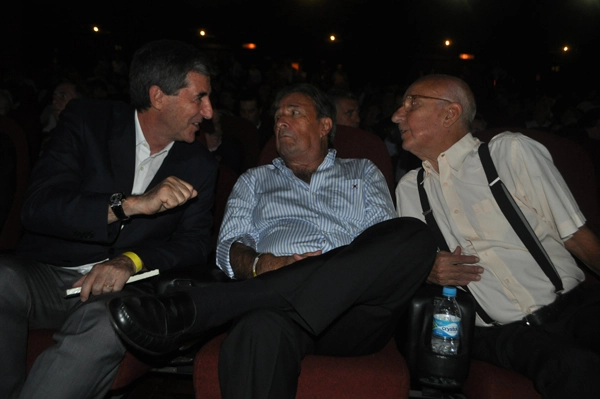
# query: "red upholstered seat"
[[381, 375], [486, 381]]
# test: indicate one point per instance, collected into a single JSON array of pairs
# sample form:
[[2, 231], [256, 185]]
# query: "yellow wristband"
[[136, 260]]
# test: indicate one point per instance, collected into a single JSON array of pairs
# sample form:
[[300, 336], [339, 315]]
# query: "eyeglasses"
[[409, 101]]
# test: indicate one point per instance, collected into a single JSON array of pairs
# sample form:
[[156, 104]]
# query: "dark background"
[[378, 40]]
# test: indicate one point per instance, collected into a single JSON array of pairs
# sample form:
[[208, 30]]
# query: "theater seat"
[[486, 381], [381, 375]]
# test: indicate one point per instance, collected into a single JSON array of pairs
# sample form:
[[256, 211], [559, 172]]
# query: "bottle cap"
[[449, 291]]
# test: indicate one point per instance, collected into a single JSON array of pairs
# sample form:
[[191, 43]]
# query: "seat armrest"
[[181, 278]]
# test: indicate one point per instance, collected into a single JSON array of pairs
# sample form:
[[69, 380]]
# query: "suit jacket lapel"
[[121, 147]]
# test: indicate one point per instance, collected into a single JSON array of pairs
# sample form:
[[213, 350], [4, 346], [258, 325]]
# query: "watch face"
[[116, 198]]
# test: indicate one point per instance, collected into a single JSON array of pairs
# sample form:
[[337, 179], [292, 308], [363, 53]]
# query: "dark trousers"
[[346, 302], [84, 361], [561, 357]]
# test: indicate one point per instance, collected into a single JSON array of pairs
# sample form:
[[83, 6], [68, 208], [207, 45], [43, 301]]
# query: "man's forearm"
[[241, 259], [585, 245]]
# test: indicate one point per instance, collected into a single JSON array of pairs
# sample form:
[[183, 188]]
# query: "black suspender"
[[510, 210], [517, 220], [428, 213]]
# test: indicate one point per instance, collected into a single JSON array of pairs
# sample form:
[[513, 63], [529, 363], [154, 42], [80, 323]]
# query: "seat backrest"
[[10, 233], [247, 134], [349, 142], [573, 162]]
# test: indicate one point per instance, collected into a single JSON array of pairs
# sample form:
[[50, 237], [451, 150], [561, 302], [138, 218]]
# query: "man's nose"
[[398, 115], [206, 110]]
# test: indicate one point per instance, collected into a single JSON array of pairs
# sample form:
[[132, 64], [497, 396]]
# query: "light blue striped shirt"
[[271, 210]]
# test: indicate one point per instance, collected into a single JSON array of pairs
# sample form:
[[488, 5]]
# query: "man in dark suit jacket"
[[120, 189]]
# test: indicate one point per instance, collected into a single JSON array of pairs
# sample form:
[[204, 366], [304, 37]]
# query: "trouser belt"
[[550, 313]]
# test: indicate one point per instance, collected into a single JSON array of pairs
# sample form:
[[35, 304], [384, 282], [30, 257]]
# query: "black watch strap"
[[116, 204]]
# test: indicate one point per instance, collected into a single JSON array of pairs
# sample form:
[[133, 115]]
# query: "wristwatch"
[[116, 204]]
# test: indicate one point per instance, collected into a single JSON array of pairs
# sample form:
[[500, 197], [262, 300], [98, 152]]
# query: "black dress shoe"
[[154, 324]]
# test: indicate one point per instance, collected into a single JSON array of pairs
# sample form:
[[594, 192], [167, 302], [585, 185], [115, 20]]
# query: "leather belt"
[[550, 313]]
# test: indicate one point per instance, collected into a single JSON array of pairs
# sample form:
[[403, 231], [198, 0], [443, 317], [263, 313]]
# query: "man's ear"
[[453, 113], [156, 97], [326, 125]]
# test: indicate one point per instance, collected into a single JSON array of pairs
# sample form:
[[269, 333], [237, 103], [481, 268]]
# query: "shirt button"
[[456, 211], [445, 183]]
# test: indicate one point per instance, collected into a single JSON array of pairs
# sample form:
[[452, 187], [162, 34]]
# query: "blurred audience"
[[251, 108], [346, 105]]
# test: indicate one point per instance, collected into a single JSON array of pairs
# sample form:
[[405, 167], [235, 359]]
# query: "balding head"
[[436, 112], [457, 90]]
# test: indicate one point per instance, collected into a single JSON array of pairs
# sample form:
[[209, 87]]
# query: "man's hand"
[[168, 194], [269, 262], [109, 276], [454, 268]]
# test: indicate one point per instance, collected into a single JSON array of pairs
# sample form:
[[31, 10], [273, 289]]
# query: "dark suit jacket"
[[91, 156]]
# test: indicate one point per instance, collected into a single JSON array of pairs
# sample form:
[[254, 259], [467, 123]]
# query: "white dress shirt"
[[513, 284]]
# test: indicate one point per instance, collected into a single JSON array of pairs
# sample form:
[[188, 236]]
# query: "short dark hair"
[[166, 64], [323, 105]]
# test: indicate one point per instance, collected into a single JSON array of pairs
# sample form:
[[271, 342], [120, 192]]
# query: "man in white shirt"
[[486, 253]]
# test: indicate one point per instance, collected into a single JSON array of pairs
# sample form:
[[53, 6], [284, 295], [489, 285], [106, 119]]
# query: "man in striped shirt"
[[325, 265]]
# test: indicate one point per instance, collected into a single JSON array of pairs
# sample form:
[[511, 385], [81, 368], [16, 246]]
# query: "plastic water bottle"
[[445, 337]]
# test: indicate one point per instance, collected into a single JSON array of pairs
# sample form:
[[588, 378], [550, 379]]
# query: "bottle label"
[[446, 326]]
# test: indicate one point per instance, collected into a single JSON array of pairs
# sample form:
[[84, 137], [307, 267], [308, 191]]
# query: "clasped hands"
[[453, 268]]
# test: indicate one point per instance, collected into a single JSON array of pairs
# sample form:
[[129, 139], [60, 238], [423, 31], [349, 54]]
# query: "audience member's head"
[[346, 104], [250, 107], [63, 93]]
